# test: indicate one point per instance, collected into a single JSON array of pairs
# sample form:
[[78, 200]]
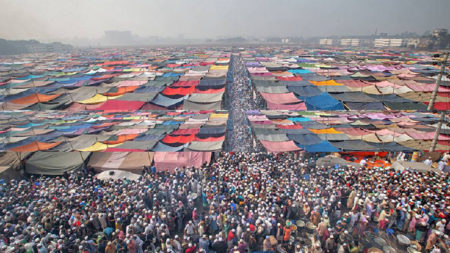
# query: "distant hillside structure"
[[10, 47]]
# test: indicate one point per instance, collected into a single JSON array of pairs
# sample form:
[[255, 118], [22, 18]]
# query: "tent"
[[10, 164], [323, 102], [421, 167], [55, 163], [280, 146], [168, 161], [323, 146], [128, 161], [330, 160]]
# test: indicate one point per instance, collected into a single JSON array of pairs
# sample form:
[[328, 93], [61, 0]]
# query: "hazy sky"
[[65, 19]]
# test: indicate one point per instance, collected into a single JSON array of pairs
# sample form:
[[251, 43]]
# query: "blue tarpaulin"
[[299, 71], [305, 139], [323, 146], [323, 102], [305, 91]]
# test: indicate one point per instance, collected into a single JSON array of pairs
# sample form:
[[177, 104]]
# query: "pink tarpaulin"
[[131, 131], [255, 70], [120, 106], [293, 107], [280, 146], [426, 87], [354, 131], [418, 135], [168, 161], [131, 83], [280, 98], [257, 117]]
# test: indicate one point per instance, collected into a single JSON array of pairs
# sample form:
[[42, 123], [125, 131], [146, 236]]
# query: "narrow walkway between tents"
[[239, 100]]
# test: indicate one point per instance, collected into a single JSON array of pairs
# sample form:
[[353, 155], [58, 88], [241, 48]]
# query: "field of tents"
[[169, 107]]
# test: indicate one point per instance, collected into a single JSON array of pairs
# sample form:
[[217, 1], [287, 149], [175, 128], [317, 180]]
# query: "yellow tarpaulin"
[[98, 146], [218, 115], [98, 98], [328, 82], [224, 67], [325, 131]]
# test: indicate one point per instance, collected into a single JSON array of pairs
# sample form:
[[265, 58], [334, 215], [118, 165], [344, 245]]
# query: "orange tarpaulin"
[[325, 131], [35, 98], [221, 138], [121, 138], [107, 76], [35, 146], [115, 63], [121, 91], [209, 91], [329, 83]]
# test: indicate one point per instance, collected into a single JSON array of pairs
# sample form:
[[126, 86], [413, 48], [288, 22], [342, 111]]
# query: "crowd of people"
[[240, 100], [241, 202]]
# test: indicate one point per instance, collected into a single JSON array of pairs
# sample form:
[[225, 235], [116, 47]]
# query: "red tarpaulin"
[[168, 161], [185, 83], [178, 91], [441, 106], [179, 138], [185, 131]]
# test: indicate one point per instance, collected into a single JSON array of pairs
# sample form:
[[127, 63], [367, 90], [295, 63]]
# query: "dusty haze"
[[63, 20]]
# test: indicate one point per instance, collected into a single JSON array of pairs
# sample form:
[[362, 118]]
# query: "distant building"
[[439, 33], [383, 42], [350, 42], [413, 42], [326, 42]]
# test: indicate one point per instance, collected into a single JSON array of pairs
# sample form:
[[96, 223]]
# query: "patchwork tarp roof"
[[55, 163], [343, 131], [128, 161]]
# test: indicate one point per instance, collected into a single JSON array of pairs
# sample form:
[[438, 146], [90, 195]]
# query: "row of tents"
[[59, 163], [29, 131], [104, 80], [345, 80], [336, 131]]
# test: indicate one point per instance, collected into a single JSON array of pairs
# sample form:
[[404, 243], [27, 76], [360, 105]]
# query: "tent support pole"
[[438, 130], [438, 82]]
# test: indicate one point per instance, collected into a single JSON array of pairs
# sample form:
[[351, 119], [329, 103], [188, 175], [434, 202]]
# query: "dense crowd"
[[239, 203], [240, 101]]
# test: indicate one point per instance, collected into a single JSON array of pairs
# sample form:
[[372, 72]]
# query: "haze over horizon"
[[65, 20]]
